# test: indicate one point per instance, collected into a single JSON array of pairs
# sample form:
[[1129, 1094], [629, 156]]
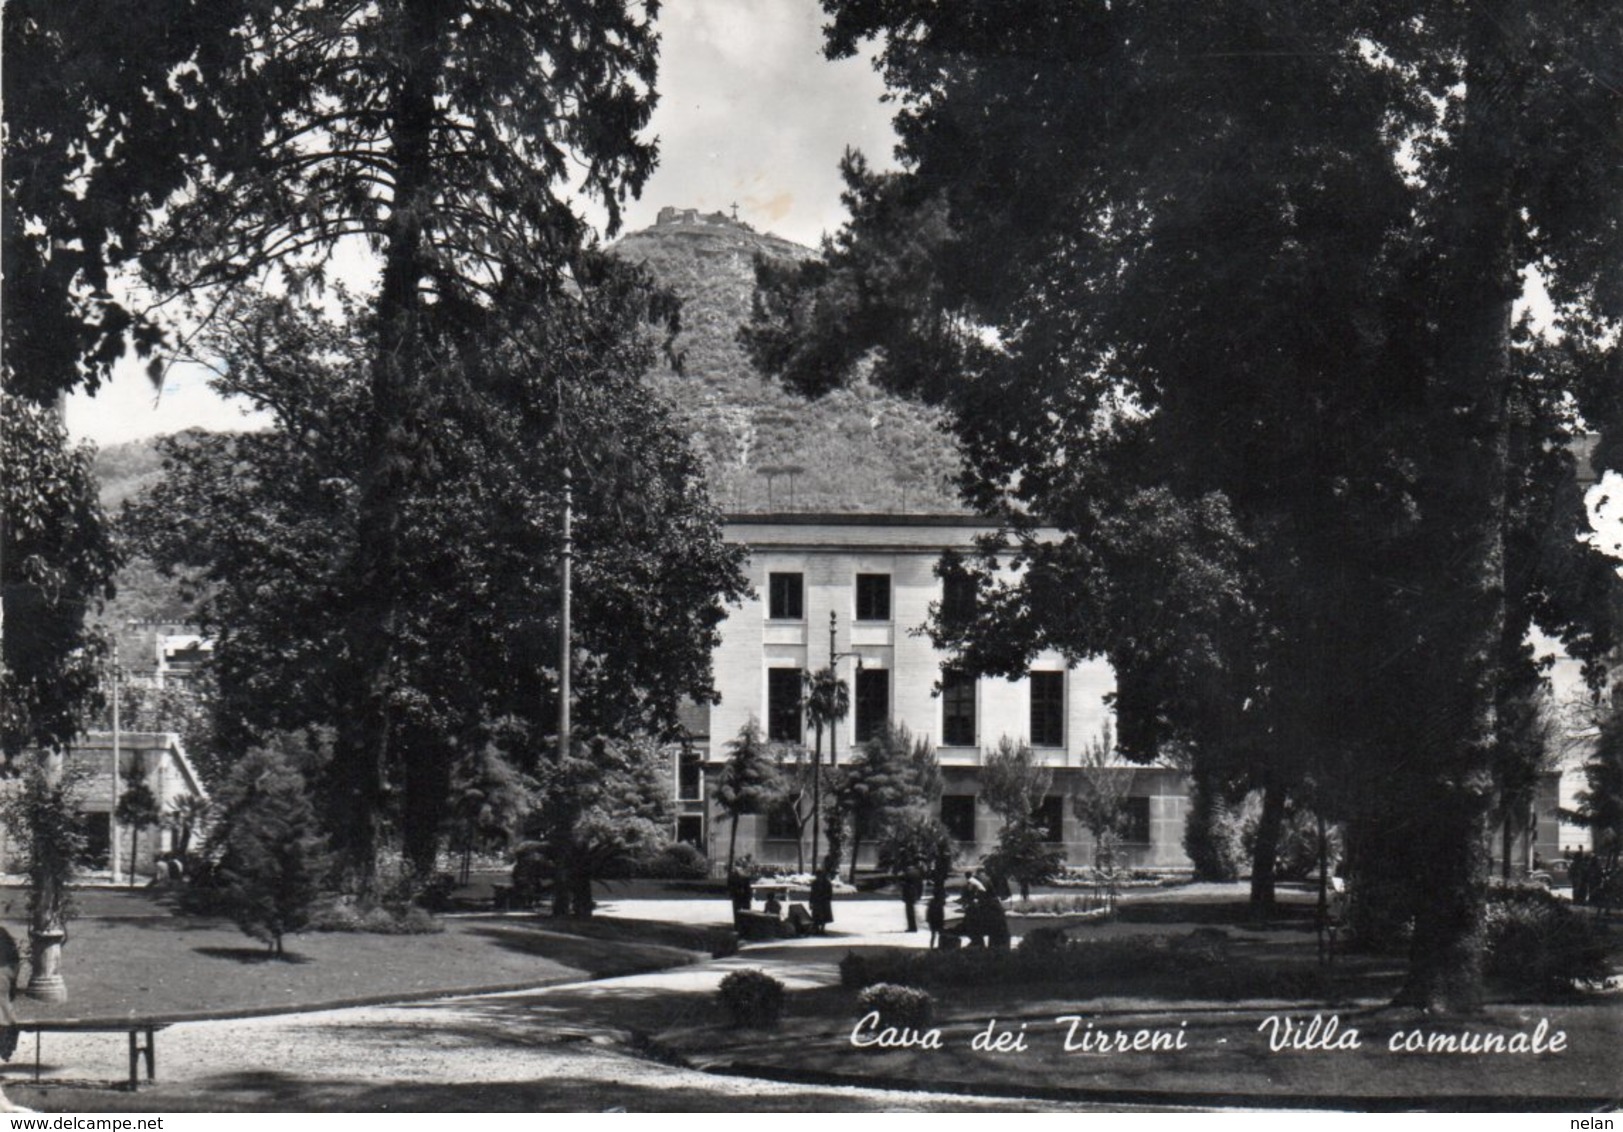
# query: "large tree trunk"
[[1265, 850], [428, 786], [732, 845], [1462, 588], [393, 433]]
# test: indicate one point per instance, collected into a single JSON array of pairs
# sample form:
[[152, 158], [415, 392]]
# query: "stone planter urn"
[[45, 982]]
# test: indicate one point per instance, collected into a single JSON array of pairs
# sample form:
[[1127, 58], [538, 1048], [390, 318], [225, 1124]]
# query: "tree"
[[57, 563], [446, 136], [1600, 803], [1013, 783], [747, 783], [914, 837], [268, 522], [489, 801], [891, 772], [45, 806], [799, 791], [185, 819], [1099, 794], [271, 861], [1336, 235], [138, 809], [827, 700], [603, 807]]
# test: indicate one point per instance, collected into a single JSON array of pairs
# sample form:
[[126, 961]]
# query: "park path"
[[568, 1047]]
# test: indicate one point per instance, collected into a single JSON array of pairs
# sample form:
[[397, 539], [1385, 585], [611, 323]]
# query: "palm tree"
[[827, 701]]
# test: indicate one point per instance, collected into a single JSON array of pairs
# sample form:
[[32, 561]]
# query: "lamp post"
[[831, 711]]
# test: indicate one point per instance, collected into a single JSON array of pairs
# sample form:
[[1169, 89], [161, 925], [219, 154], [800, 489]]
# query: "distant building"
[[157, 757], [876, 575]]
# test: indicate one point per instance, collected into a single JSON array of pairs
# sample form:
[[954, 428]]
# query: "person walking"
[[912, 893], [935, 914], [822, 901]]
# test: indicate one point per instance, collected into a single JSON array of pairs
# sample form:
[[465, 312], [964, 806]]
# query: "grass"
[[134, 958], [1256, 970]]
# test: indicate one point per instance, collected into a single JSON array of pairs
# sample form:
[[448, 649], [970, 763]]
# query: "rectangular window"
[[1049, 817], [873, 597], [957, 599], [780, 823], [786, 597], [783, 705], [1047, 709], [690, 830], [957, 709], [1135, 821], [873, 702], [689, 778], [958, 815]]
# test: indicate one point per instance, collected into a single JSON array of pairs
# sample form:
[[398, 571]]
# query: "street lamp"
[[827, 708]]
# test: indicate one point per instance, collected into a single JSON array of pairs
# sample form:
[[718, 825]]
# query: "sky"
[[750, 113]]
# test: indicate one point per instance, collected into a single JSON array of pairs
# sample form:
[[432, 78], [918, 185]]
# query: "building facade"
[[106, 766], [859, 588]]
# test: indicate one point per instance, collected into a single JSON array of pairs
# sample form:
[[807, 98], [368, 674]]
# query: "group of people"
[[1588, 874], [814, 918]]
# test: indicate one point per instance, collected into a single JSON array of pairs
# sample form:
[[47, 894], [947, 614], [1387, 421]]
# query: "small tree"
[[1600, 804], [603, 807], [44, 808], [272, 860], [893, 771], [748, 781], [1099, 801], [184, 819], [137, 808], [489, 801], [1013, 782], [798, 790], [827, 700], [915, 838]]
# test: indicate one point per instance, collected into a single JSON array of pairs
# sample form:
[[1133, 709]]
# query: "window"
[[957, 709], [958, 815], [783, 705], [689, 778], [957, 599], [1048, 709], [781, 824], [1049, 818], [873, 702], [1135, 821], [786, 597], [690, 830], [873, 597]]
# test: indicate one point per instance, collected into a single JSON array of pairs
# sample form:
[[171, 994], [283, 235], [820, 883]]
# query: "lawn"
[[1206, 1034], [127, 955]]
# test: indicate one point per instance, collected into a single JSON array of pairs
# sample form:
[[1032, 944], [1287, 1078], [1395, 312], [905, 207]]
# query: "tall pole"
[[112, 811], [565, 632], [831, 660]]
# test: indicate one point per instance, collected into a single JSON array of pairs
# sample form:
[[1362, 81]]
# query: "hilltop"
[[856, 449]]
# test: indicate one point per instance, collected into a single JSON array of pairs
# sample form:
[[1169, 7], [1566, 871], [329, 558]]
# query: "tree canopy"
[[1225, 292]]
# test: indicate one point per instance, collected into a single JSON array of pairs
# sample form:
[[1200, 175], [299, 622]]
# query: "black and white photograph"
[[811, 556]]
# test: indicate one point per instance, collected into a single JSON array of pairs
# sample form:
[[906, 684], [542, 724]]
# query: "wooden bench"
[[142, 1033]]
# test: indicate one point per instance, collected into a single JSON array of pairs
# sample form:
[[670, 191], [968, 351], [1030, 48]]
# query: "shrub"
[[898, 1005], [271, 858], [377, 919], [677, 861], [752, 998], [1068, 961], [1211, 836], [1042, 941], [1536, 941]]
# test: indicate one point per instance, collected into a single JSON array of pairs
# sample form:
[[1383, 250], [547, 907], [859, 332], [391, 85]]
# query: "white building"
[[872, 579]]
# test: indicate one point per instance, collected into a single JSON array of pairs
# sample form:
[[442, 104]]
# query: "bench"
[[142, 1033]]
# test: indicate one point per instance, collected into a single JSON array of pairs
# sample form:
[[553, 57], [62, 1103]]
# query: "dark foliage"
[[898, 1005], [752, 998], [1538, 942]]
